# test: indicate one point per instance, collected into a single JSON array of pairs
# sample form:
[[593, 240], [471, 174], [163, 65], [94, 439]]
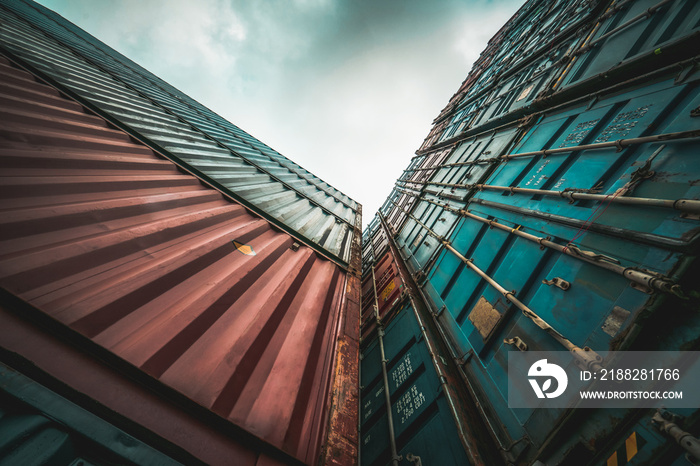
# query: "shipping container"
[[564, 217], [180, 128], [384, 281], [406, 370], [148, 315], [174, 291], [420, 411]]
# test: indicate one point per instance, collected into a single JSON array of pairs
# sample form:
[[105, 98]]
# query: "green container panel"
[[421, 416]]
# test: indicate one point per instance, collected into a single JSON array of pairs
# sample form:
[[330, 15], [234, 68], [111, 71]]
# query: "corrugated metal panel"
[[110, 240], [633, 30], [550, 52], [640, 230], [520, 62], [421, 416], [38, 426], [570, 193], [645, 239], [386, 282], [188, 131], [428, 406]]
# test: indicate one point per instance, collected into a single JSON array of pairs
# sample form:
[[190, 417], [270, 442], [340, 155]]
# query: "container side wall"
[[115, 243], [184, 129]]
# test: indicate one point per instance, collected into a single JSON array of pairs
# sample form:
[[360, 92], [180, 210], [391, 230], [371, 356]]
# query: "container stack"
[[554, 206], [401, 354]]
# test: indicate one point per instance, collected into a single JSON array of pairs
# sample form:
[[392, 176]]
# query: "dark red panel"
[[107, 238]]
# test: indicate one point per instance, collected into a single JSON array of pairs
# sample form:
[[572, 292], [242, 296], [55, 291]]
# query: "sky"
[[347, 89]]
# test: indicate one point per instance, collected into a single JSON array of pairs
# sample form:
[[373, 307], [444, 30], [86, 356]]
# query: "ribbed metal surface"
[[518, 64], [555, 206], [421, 416], [385, 281], [38, 426], [107, 238], [550, 52], [622, 257], [184, 128]]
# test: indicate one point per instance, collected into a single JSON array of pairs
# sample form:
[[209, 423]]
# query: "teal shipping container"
[[555, 206]]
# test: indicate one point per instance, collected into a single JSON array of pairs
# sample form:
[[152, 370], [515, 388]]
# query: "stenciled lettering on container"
[[379, 392], [409, 403], [622, 124], [575, 137], [367, 408], [537, 178], [402, 371]]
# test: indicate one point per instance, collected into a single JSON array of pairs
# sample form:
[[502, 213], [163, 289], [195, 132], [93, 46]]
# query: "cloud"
[[347, 89]]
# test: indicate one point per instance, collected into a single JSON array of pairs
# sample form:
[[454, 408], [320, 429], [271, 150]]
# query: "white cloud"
[[346, 89]]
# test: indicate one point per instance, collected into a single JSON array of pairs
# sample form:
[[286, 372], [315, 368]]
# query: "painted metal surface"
[[552, 52], [380, 333], [519, 63], [38, 426], [527, 243], [420, 413], [185, 130], [115, 243], [99, 382], [389, 287], [567, 218], [632, 30]]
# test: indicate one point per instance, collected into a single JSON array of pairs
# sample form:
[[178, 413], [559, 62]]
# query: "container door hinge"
[[414, 459], [517, 342], [464, 359], [419, 276], [642, 288], [684, 73], [558, 282], [440, 311], [667, 422]]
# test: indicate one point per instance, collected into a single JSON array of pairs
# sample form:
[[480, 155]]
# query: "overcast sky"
[[347, 89]]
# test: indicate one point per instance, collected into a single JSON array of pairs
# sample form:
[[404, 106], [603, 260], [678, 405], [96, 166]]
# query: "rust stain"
[[341, 445], [108, 239]]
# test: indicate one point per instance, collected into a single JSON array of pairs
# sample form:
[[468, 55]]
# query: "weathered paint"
[[180, 128], [419, 409], [642, 29], [629, 260], [39, 426], [115, 243], [389, 288], [341, 446]]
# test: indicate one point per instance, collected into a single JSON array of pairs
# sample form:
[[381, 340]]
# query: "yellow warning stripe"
[[631, 445], [622, 456]]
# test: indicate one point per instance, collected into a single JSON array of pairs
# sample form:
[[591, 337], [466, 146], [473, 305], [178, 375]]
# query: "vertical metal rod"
[[585, 356], [640, 276], [466, 438], [464, 430], [387, 397]]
